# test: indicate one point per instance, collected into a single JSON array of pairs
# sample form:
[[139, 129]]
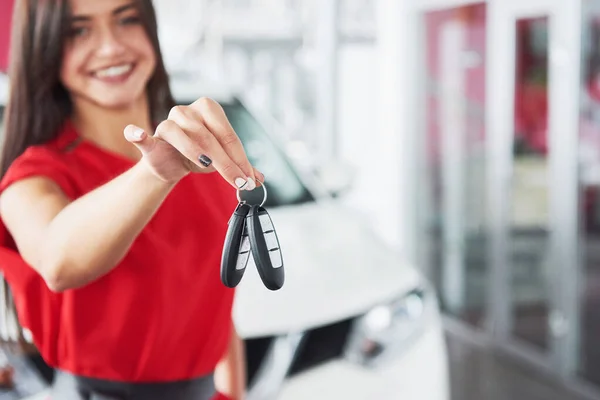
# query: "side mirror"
[[337, 177]]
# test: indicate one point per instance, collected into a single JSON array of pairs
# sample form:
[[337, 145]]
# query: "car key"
[[251, 230], [264, 244], [236, 250]]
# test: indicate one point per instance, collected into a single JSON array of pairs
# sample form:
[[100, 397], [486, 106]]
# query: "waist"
[[125, 340], [68, 386]]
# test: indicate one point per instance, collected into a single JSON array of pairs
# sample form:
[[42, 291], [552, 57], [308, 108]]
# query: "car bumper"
[[421, 372]]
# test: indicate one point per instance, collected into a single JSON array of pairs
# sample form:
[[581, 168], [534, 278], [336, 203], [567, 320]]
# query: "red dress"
[[162, 314]]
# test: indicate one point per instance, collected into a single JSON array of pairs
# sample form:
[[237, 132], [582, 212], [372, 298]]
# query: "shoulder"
[[50, 160], [55, 151]]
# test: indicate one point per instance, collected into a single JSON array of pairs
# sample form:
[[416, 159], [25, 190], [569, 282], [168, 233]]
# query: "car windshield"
[[284, 187]]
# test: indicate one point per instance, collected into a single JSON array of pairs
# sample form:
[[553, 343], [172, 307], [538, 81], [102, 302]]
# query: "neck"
[[104, 126]]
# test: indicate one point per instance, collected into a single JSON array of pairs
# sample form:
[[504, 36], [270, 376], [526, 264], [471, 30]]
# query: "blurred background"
[[437, 166]]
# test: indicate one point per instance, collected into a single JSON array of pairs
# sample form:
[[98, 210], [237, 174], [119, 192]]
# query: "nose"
[[109, 44]]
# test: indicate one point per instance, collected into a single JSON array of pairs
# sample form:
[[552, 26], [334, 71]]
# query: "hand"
[[195, 138]]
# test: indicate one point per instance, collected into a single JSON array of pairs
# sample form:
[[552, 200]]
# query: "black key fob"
[[265, 247], [236, 250]]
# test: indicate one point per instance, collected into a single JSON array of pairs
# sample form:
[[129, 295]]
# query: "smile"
[[114, 71]]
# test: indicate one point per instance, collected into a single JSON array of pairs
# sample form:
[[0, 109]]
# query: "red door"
[[6, 7]]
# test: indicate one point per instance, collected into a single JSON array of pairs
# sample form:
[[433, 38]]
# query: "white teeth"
[[114, 71]]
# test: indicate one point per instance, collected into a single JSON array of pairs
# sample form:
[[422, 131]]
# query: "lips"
[[114, 71]]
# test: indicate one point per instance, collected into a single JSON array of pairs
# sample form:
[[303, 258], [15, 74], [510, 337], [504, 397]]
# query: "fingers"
[[260, 178], [217, 139], [214, 118], [136, 135], [203, 150]]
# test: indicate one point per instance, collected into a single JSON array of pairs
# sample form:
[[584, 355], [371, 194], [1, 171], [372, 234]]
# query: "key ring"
[[262, 184]]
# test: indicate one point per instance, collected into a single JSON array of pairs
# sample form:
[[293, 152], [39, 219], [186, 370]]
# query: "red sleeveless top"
[[162, 314]]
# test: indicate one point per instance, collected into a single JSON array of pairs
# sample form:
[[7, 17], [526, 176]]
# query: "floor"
[[27, 381], [476, 374], [531, 291]]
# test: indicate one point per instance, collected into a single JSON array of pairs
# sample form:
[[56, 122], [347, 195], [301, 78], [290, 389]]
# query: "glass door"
[[532, 133], [508, 194], [498, 198], [528, 221], [452, 205]]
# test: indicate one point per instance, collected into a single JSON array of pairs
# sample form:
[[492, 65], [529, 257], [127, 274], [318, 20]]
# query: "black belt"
[[70, 387]]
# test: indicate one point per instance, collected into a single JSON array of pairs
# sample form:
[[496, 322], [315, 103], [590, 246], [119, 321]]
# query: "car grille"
[[256, 350], [319, 345]]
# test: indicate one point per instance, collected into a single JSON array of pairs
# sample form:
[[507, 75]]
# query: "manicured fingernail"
[[240, 183], [204, 160], [251, 184], [137, 132]]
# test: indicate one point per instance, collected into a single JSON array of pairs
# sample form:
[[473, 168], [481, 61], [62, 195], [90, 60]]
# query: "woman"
[[115, 206]]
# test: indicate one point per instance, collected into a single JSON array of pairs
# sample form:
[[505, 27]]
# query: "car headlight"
[[387, 329]]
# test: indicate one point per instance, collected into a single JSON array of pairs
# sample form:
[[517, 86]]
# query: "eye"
[[78, 31], [130, 20]]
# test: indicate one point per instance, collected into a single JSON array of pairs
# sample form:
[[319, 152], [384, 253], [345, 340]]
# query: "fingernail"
[[240, 183], [251, 184], [204, 160], [261, 176], [137, 132]]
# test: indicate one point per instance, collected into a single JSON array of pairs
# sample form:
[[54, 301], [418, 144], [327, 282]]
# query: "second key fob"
[[265, 248], [236, 250]]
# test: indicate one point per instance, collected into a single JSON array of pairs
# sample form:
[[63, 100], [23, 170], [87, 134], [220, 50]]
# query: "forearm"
[[230, 374], [92, 234]]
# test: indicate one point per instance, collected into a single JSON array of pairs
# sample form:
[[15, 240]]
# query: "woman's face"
[[108, 58]]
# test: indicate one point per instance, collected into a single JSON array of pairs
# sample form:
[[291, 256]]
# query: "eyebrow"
[[115, 12]]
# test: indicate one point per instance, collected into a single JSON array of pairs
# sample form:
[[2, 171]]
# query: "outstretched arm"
[[71, 244]]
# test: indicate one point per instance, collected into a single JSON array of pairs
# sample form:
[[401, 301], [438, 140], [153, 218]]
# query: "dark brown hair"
[[38, 103]]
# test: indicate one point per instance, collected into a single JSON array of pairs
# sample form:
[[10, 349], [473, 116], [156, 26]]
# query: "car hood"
[[335, 268]]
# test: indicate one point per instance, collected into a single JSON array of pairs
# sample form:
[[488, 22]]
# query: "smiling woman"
[[79, 39], [112, 222], [108, 58]]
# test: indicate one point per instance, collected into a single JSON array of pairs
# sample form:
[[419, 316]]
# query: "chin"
[[117, 103]]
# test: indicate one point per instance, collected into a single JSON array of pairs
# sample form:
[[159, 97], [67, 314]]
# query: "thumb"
[[136, 135]]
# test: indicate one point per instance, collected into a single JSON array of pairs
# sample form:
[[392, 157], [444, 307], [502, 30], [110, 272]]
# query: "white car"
[[352, 321]]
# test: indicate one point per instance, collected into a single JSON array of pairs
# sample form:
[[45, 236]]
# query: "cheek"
[[144, 48], [71, 64]]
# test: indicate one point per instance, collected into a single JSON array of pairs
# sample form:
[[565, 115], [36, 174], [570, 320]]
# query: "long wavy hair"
[[38, 103]]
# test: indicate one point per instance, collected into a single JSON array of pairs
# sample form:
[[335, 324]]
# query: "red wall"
[[5, 17]]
